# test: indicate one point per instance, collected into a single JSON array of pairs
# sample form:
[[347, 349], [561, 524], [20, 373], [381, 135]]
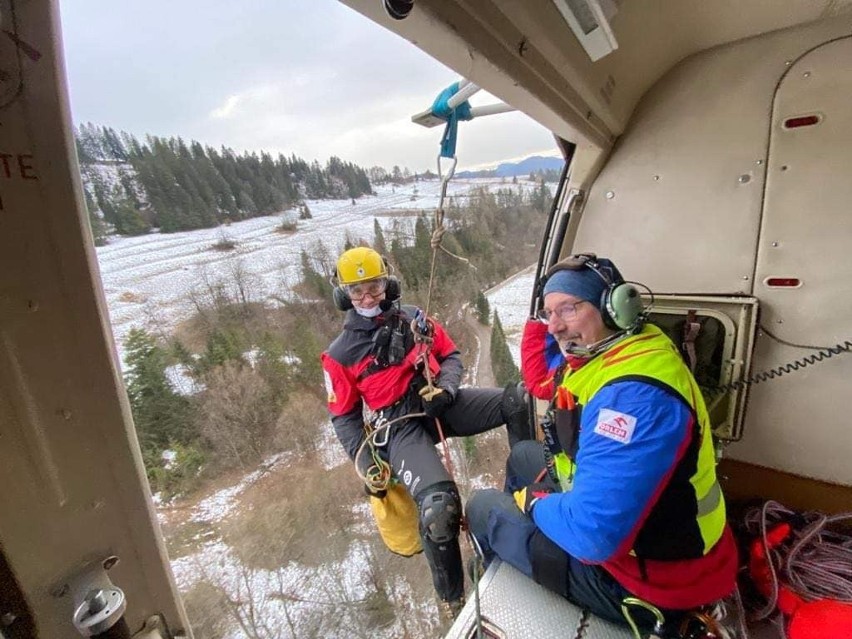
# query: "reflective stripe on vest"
[[629, 359]]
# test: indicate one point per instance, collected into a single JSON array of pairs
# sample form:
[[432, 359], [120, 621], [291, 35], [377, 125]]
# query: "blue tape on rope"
[[441, 109], [448, 140]]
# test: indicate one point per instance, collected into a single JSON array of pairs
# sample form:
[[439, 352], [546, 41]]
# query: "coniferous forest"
[[172, 185]]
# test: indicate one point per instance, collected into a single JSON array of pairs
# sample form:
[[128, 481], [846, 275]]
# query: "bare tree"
[[237, 414]]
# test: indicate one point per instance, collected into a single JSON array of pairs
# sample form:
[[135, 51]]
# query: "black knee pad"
[[515, 412], [440, 512]]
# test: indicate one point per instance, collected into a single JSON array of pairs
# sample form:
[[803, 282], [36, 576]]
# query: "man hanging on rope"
[[398, 372]]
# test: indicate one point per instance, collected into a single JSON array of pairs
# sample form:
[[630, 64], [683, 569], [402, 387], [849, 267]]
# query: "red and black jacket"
[[357, 375]]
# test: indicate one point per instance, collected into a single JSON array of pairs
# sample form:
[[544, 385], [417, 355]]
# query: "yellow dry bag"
[[397, 519]]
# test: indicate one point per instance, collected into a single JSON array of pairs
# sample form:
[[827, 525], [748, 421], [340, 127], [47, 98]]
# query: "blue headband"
[[584, 283]]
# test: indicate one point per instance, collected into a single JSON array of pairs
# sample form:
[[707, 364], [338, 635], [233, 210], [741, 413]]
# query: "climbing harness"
[[377, 437]]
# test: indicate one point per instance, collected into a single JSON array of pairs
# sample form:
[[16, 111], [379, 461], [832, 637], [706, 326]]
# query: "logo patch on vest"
[[615, 425], [329, 388]]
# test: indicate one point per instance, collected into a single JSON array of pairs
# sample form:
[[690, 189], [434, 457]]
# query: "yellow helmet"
[[360, 264]]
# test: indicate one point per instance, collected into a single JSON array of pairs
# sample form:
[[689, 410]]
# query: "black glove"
[[527, 497], [435, 400]]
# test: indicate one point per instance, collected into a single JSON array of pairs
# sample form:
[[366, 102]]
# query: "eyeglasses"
[[564, 312], [373, 288]]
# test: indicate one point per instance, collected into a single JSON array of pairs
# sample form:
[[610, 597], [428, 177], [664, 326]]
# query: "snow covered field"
[[149, 280], [511, 300]]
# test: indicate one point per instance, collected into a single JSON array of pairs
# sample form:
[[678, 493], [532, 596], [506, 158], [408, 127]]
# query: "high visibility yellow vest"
[[650, 356]]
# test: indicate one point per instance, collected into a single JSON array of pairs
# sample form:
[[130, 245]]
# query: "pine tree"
[[223, 345], [314, 282], [378, 237], [127, 219], [483, 308], [503, 366], [160, 414]]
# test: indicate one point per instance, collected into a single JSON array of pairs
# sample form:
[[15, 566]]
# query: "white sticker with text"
[[615, 425]]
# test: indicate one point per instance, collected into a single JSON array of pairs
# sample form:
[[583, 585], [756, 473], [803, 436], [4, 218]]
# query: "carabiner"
[[381, 424], [450, 173]]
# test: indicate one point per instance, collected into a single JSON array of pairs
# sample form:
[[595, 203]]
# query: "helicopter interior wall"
[[684, 205], [73, 485], [526, 54], [806, 234]]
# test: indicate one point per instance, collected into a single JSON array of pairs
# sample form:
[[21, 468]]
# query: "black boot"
[[446, 565], [515, 410]]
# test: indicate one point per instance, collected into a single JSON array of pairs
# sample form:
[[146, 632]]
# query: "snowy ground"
[[511, 300], [149, 280]]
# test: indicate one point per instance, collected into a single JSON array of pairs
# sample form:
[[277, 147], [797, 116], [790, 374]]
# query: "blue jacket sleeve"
[[632, 437]]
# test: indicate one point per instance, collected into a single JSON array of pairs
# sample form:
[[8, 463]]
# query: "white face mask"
[[369, 312]]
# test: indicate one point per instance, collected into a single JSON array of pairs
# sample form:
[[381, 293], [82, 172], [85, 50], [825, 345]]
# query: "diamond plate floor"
[[518, 608]]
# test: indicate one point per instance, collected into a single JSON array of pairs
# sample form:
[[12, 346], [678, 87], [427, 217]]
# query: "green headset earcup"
[[341, 299], [621, 306]]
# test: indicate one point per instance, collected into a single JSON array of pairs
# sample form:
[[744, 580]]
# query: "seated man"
[[376, 365], [622, 500]]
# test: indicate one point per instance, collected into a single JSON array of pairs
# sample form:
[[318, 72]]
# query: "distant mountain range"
[[533, 164]]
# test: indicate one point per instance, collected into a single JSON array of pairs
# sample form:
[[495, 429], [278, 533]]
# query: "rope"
[[815, 563], [378, 479]]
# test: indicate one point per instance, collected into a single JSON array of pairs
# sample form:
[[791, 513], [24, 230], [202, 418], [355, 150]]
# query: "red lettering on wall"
[[5, 158], [27, 170]]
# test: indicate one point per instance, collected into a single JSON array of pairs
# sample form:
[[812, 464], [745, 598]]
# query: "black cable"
[[786, 343], [823, 353]]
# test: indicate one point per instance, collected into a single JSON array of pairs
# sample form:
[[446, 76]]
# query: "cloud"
[[313, 78], [227, 109]]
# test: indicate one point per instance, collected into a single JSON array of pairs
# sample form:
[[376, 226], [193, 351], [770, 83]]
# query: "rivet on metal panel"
[[656, 178], [610, 195], [745, 178], [775, 245], [66, 414], [806, 74], [759, 162], [787, 63], [745, 277], [784, 167], [779, 321], [60, 591]]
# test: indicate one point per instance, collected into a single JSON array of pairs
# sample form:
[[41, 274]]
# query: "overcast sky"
[[310, 77]]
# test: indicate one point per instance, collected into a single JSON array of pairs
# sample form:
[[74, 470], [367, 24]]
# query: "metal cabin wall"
[[800, 422], [72, 486], [679, 206]]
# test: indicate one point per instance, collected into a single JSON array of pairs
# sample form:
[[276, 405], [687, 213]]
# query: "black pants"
[[411, 452]]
